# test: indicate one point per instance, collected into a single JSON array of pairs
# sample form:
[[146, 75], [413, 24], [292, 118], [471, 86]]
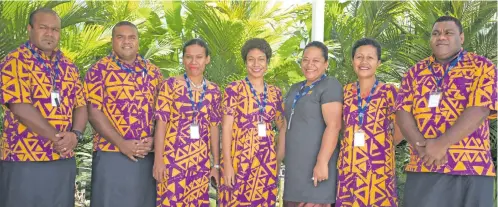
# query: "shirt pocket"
[[459, 87], [38, 83]]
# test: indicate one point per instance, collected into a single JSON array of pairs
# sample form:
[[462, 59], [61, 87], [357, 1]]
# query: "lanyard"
[[262, 104], [128, 70], [55, 67], [362, 110], [453, 63], [197, 106], [301, 93]]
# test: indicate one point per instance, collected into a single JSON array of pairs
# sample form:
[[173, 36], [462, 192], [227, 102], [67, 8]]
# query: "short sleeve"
[[332, 92], [15, 86], [164, 100], [483, 88], [230, 99], [80, 93], [391, 95], [94, 87], [279, 104], [157, 80], [215, 113], [404, 98]]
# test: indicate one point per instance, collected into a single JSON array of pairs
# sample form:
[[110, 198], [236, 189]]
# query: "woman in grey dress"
[[313, 111]]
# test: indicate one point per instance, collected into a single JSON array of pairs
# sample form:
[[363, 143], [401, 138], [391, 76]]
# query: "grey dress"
[[303, 141]]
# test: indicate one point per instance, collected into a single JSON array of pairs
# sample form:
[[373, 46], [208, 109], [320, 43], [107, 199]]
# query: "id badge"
[[434, 99], [194, 131], [359, 138], [262, 129], [55, 98]]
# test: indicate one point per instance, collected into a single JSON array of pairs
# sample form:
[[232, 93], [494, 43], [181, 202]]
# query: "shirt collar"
[[139, 60], [432, 58], [42, 54]]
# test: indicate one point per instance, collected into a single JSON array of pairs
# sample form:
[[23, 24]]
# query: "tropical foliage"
[[402, 27]]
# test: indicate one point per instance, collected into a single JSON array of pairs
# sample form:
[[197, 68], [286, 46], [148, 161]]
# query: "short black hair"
[[321, 46], [367, 41], [256, 43], [450, 19], [124, 23], [196, 41], [41, 10]]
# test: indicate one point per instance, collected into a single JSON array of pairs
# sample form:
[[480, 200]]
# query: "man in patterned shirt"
[[121, 92], [43, 101], [442, 108]]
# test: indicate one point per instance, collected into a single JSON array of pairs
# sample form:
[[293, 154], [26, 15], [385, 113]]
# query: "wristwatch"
[[79, 135]]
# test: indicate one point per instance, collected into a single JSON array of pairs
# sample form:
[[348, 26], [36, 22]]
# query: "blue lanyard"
[[262, 104], [45, 67], [197, 106], [453, 63], [128, 70], [362, 110], [301, 93]]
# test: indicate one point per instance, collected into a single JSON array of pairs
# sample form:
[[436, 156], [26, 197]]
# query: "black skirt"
[[119, 181], [37, 184]]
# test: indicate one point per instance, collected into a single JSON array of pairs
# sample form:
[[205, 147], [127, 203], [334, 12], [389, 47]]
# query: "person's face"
[[45, 31], [313, 64], [125, 42], [195, 60], [446, 40], [256, 63], [365, 61]]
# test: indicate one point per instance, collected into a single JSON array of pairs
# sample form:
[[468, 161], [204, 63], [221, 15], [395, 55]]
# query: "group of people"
[[157, 141]]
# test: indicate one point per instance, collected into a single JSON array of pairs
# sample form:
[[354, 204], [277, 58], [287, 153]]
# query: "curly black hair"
[[256, 43]]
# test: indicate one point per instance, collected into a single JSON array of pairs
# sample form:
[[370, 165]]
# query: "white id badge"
[[55, 98], [194, 131], [434, 99], [262, 130], [359, 138]]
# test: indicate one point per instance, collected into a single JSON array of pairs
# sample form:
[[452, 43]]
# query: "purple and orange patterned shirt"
[[24, 79], [378, 153], [187, 160], [126, 98], [472, 82], [254, 158]]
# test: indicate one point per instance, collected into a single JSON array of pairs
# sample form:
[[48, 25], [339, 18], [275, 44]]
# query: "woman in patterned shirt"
[[248, 141], [366, 161], [188, 115]]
